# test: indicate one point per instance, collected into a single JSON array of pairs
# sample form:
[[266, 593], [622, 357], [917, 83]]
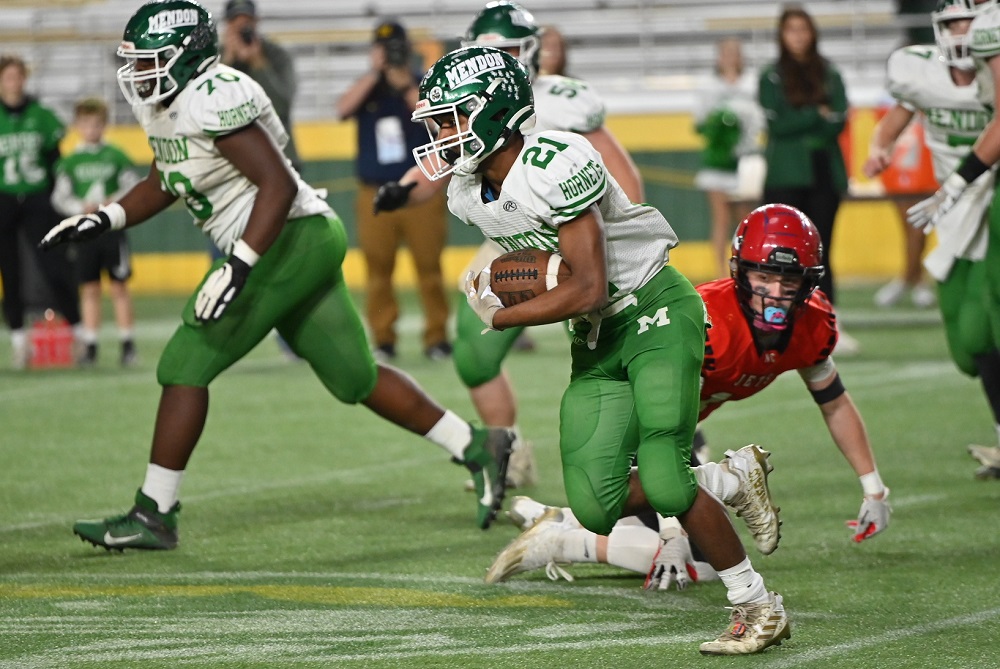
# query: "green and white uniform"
[[636, 363], [296, 287], [27, 138], [561, 103], [954, 117], [985, 31]]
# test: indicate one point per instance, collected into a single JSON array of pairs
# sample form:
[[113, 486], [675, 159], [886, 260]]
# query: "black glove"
[[391, 196], [75, 229], [220, 288]]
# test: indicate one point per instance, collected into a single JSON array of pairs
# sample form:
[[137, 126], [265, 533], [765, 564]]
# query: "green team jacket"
[[29, 143], [794, 133]]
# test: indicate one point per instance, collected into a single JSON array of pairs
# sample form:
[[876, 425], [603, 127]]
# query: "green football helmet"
[[507, 25], [954, 48], [482, 92], [166, 44]]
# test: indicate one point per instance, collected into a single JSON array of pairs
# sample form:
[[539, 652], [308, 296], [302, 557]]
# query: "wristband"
[[116, 215], [971, 167], [243, 251], [872, 484]]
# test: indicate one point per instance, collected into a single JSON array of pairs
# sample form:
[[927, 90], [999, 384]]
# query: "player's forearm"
[[145, 200], [987, 147], [270, 212], [849, 433]]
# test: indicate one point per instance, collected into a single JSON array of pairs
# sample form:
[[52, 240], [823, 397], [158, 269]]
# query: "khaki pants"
[[424, 229]]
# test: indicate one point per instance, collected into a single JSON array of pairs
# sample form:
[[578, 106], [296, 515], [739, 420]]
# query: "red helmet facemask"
[[778, 239]]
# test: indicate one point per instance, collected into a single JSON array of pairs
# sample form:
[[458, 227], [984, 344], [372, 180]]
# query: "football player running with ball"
[[767, 319], [561, 103], [639, 325], [941, 83], [217, 144]]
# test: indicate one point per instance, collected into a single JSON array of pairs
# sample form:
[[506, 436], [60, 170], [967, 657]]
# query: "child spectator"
[[96, 173]]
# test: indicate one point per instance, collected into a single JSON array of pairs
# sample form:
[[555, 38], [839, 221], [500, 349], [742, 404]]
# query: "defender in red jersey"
[[767, 319]]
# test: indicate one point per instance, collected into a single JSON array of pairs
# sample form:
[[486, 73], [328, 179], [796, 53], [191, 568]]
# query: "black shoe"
[[385, 352], [89, 356], [439, 351], [129, 354]]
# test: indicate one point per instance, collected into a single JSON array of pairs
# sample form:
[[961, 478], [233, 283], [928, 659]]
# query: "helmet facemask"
[[777, 312], [485, 96], [460, 153], [166, 44], [147, 85], [782, 242], [955, 48]]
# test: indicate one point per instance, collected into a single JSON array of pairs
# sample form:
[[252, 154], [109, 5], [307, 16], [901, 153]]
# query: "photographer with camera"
[[270, 65], [381, 101]]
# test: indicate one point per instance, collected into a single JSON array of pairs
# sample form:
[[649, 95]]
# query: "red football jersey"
[[733, 368]]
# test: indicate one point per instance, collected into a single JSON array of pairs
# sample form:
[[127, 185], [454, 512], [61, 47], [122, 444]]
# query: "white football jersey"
[[182, 136], [563, 103], [985, 31], [920, 80], [556, 177]]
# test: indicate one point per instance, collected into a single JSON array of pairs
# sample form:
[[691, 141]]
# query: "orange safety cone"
[[51, 342]]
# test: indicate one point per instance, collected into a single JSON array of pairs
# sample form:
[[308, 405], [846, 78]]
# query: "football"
[[520, 275]]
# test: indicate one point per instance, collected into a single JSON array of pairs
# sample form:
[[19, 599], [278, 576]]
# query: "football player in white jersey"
[[938, 82], [217, 144], [639, 325], [971, 289], [561, 103]]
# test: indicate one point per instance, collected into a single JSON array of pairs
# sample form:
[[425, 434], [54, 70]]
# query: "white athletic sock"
[[744, 585], [88, 336], [19, 338], [161, 485], [578, 546], [998, 432], [633, 547], [569, 518], [452, 434], [125, 335], [717, 480]]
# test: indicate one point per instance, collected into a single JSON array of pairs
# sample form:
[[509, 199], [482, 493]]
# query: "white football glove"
[[220, 288], [670, 564], [482, 299], [872, 518], [76, 228], [925, 214]]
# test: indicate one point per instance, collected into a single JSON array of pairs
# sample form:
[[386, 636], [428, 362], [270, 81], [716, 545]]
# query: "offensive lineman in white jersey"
[[639, 326], [217, 144], [972, 320], [561, 103], [938, 81]]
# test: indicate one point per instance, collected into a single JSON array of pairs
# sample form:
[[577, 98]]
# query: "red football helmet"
[[778, 239]]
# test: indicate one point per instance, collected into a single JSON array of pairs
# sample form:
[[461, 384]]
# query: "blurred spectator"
[[29, 148], [95, 174], [552, 58], [381, 102], [730, 120], [247, 50], [805, 103]]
